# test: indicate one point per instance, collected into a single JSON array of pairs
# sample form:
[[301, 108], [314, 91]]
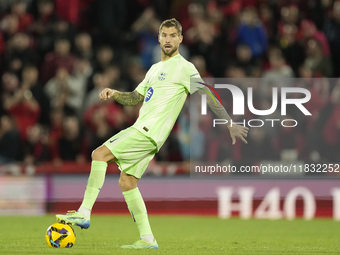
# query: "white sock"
[[84, 211], [148, 238]]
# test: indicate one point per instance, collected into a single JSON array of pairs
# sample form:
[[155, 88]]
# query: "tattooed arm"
[[234, 129], [128, 98], [217, 108], [124, 98]]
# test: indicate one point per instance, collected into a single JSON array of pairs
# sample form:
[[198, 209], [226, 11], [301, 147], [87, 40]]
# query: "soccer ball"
[[60, 235]]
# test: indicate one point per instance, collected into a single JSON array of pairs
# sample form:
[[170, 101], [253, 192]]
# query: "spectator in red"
[[56, 130], [23, 107], [19, 8], [59, 58], [29, 79], [309, 31], [84, 11], [2, 44], [68, 10]]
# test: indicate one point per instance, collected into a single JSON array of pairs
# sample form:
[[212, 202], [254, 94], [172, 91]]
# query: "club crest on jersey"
[[148, 94], [162, 77]]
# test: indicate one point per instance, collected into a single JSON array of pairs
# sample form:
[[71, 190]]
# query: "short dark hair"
[[171, 23]]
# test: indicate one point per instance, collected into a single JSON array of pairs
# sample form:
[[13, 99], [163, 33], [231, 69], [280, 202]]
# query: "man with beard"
[[164, 91]]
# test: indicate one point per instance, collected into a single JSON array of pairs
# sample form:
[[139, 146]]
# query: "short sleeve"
[[190, 73], [142, 87]]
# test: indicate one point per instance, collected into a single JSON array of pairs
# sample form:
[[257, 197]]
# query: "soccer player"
[[164, 91]]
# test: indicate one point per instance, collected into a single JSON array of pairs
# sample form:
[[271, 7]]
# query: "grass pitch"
[[177, 235]]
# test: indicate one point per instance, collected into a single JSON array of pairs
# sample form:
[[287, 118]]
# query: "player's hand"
[[238, 131], [106, 93]]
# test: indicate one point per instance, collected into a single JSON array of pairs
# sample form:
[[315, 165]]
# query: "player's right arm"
[[124, 98]]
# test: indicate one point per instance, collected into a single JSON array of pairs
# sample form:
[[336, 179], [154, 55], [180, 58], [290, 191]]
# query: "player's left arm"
[[124, 98], [234, 129], [189, 71]]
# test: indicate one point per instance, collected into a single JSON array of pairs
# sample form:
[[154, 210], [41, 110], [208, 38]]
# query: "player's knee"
[[96, 155], [102, 154], [126, 185], [122, 184]]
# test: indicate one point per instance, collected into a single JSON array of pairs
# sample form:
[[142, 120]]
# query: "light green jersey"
[[165, 88]]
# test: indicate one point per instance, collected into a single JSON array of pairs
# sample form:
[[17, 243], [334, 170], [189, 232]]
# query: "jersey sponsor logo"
[[148, 94], [113, 140], [194, 74], [162, 77]]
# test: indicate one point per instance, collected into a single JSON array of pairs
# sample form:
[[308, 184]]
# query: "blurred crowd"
[[57, 55]]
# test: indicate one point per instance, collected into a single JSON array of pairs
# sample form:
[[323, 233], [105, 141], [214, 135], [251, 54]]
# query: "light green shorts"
[[133, 151]]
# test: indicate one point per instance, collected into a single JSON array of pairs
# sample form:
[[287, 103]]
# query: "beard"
[[169, 53]]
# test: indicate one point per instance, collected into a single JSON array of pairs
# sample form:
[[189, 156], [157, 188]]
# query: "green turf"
[[177, 235]]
